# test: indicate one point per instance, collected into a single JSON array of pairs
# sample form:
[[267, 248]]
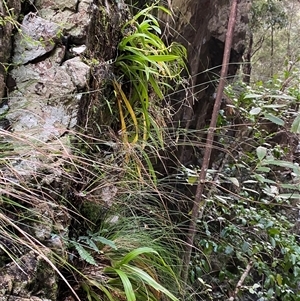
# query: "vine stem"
[[199, 203]]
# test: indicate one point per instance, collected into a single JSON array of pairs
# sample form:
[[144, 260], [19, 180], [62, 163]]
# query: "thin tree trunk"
[[198, 201], [272, 51], [247, 62]]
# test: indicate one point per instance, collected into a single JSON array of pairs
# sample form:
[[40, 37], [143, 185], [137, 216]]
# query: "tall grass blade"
[[135, 253], [149, 280]]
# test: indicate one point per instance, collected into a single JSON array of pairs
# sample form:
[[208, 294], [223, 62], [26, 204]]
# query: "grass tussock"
[[54, 194]]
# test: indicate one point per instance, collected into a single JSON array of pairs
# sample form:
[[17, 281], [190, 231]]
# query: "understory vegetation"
[[127, 198]]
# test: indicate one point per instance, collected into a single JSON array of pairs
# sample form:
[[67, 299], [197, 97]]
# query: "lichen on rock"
[[36, 37], [29, 276]]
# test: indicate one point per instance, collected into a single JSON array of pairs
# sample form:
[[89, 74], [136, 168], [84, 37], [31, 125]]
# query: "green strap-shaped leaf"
[[135, 253], [130, 295], [103, 289], [145, 277]]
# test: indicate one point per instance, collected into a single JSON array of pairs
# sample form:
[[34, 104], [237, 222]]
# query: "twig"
[[241, 281]]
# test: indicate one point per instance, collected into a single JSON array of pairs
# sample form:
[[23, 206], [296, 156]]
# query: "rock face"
[[14, 285], [48, 81], [45, 92], [9, 12], [37, 37], [201, 26], [47, 86]]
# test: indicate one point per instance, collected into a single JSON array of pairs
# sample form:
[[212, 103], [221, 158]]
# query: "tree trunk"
[[272, 52], [247, 61]]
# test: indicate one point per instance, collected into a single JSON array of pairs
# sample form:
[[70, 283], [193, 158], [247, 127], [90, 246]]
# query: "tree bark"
[[247, 61]]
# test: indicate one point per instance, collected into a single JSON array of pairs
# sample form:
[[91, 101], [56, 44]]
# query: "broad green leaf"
[[280, 163], [273, 231], [245, 246], [228, 250], [261, 226], [136, 37], [261, 152], [250, 96], [221, 199], [294, 258], [260, 178], [274, 119], [271, 190], [271, 279], [279, 279], [287, 97], [145, 12], [192, 180], [291, 186], [250, 182], [92, 245], [157, 29], [263, 169], [251, 190], [296, 271], [234, 181], [267, 180], [296, 125], [273, 242], [255, 111], [275, 106], [254, 288], [269, 224], [289, 196], [137, 57]]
